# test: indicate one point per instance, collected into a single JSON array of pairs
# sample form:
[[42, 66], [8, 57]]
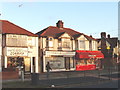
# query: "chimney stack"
[[103, 41], [59, 24], [103, 34], [108, 35], [91, 36]]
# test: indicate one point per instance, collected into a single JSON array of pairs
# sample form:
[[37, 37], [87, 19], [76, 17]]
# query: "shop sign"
[[17, 51], [47, 53], [92, 55]]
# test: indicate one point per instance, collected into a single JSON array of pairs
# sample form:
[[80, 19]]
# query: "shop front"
[[88, 60], [16, 57], [59, 60]]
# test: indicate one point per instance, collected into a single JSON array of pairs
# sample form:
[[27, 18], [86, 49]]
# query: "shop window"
[[90, 61], [15, 61], [81, 62], [55, 62]]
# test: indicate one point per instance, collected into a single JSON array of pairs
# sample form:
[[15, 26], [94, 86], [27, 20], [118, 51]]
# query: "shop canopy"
[[88, 54]]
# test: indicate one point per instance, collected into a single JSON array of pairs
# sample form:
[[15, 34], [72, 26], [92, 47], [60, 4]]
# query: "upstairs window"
[[90, 45], [82, 44], [66, 43], [49, 42], [59, 43]]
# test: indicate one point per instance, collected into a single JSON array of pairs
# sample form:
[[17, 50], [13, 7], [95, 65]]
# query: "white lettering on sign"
[[59, 53], [91, 55], [17, 51]]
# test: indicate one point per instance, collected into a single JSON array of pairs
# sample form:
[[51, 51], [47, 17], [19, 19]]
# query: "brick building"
[[109, 47], [58, 44], [18, 45]]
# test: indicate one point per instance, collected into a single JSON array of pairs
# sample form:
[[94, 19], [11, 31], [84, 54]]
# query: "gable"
[[108, 44], [82, 37], [65, 35]]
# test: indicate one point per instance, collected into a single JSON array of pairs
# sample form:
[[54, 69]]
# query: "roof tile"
[[55, 31], [10, 28]]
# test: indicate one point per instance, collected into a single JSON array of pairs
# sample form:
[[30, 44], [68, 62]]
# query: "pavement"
[[87, 79]]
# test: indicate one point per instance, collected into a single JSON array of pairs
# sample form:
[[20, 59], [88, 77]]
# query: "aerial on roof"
[[10, 28], [59, 29]]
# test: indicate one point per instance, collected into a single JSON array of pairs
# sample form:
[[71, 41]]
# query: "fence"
[[104, 73]]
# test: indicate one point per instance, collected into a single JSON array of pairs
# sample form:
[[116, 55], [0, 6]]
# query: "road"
[[82, 79], [110, 84]]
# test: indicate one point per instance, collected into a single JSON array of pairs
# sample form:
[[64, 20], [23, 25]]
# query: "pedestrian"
[[48, 68]]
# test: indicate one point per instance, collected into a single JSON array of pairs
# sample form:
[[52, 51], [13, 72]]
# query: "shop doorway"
[[27, 64], [67, 63]]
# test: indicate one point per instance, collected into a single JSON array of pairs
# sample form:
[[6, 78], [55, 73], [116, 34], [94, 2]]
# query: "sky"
[[90, 18]]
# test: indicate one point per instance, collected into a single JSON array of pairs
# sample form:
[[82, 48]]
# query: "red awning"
[[88, 54], [96, 54], [81, 54]]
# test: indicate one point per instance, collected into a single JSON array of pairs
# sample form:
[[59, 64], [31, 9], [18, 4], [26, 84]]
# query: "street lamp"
[[109, 70]]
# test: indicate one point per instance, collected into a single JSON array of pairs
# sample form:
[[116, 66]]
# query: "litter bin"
[[35, 78]]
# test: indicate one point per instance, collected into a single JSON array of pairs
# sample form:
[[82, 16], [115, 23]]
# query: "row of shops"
[[59, 60], [23, 48], [77, 60]]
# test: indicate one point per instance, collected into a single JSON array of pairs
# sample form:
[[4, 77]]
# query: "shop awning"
[[88, 54], [81, 54], [96, 54]]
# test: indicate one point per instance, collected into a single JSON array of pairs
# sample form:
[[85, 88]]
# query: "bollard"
[[22, 75], [19, 72], [35, 78]]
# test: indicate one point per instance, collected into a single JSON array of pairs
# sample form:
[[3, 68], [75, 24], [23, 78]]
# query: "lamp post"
[[109, 70], [108, 52]]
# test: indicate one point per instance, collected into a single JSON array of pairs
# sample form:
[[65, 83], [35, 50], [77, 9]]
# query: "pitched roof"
[[111, 41], [55, 32], [10, 28]]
